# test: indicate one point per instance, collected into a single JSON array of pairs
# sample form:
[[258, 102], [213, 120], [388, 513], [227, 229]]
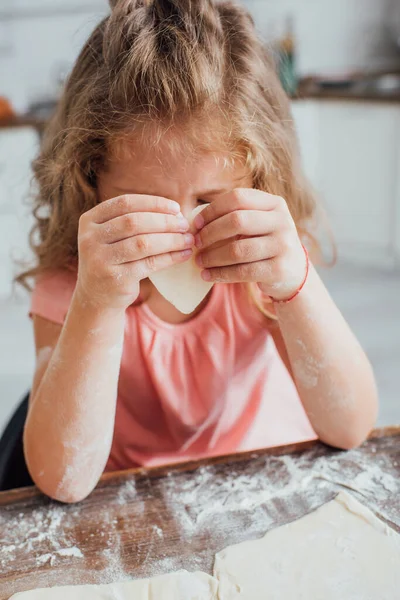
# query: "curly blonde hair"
[[164, 63]]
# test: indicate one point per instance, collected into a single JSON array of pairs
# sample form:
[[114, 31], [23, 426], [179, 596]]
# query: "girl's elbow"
[[359, 423], [350, 440], [353, 435], [343, 440], [61, 492], [56, 478], [71, 496], [56, 486]]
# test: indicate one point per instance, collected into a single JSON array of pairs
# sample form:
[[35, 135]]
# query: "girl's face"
[[189, 180]]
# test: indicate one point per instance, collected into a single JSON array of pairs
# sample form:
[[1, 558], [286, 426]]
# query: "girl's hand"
[[122, 241], [256, 241]]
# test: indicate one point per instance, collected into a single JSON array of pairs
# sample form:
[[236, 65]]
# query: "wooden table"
[[146, 522]]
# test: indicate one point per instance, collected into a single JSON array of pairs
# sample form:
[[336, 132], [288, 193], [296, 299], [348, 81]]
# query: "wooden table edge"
[[118, 477]]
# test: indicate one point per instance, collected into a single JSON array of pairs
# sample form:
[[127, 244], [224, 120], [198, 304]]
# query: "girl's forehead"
[[132, 159]]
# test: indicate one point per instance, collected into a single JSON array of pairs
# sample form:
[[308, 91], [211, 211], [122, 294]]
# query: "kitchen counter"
[[348, 95], [23, 121]]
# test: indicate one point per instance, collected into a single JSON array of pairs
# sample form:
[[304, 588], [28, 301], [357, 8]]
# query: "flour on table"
[[40, 527], [247, 502], [51, 558], [341, 550]]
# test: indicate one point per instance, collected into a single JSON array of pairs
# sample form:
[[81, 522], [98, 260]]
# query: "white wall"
[[35, 48], [332, 35]]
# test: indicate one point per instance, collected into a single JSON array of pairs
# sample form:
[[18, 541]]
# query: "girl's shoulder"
[[52, 294]]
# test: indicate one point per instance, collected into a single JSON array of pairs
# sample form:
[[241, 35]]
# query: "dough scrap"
[[181, 284], [174, 586], [339, 551]]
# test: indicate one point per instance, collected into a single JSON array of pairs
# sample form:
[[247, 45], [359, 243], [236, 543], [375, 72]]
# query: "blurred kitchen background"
[[340, 62]]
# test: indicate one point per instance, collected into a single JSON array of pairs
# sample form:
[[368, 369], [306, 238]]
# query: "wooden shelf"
[[311, 92], [23, 121]]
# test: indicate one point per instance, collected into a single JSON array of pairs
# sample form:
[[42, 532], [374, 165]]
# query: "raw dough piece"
[[175, 586], [182, 284], [341, 551]]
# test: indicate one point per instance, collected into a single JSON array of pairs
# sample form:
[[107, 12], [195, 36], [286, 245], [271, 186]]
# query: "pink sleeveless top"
[[212, 385]]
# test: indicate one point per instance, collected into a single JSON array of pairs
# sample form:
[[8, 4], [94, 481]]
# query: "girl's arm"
[[332, 374], [261, 245], [70, 423]]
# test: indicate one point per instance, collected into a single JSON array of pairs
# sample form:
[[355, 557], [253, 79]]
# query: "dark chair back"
[[13, 470]]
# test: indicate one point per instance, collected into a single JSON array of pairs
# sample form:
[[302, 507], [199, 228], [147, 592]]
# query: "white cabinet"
[[305, 115], [18, 148], [396, 223], [351, 154], [358, 148]]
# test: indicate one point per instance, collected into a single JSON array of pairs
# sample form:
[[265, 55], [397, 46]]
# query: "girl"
[[173, 103]]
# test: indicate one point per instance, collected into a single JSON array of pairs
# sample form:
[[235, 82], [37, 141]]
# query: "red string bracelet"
[[302, 285]]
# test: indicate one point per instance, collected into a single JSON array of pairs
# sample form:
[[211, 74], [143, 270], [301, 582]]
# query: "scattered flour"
[[39, 526], [43, 356], [51, 558], [114, 570], [294, 486], [126, 492], [158, 531]]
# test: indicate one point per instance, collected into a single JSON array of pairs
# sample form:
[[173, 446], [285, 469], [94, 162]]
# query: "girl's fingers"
[[247, 250], [141, 269], [250, 272], [133, 224], [148, 245], [238, 199], [239, 222], [131, 203]]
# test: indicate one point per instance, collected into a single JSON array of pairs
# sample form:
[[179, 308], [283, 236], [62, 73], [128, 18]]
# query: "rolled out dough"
[[182, 284], [341, 551], [175, 586]]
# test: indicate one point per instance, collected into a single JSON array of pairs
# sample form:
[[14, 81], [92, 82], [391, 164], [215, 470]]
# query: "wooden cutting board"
[[144, 522]]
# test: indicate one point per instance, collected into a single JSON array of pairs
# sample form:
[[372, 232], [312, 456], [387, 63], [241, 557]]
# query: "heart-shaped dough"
[[182, 284]]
